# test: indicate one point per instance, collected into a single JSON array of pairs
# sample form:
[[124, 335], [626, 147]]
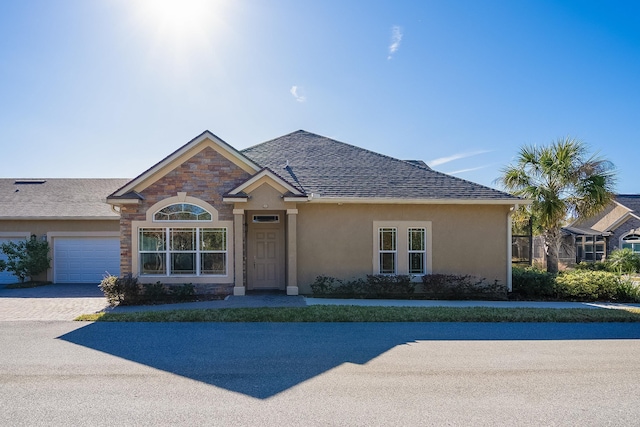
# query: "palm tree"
[[563, 181]]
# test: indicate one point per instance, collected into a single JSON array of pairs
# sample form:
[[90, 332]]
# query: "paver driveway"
[[51, 302]]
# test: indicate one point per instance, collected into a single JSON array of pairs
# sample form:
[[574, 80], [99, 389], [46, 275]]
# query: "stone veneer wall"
[[613, 241], [207, 176]]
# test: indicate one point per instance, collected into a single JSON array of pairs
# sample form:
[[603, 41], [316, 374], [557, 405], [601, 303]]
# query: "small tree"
[[26, 258]]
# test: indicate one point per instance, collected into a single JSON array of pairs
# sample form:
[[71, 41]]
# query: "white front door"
[[265, 255]]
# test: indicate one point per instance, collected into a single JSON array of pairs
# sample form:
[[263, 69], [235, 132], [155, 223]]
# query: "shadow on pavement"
[[264, 359]]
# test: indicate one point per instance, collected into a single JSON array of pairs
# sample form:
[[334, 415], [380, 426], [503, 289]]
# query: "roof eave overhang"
[[232, 152], [264, 173], [383, 200], [115, 201], [60, 218]]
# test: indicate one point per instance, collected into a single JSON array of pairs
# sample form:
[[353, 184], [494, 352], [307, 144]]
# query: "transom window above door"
[[182, 212]]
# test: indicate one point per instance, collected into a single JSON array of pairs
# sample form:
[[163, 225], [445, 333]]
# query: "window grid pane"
[[417, 250], [388, 244], [191, 251], [182, 212], [387, 263]]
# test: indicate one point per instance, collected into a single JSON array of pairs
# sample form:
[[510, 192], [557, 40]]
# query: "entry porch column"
[[292, 256], [238, 252]]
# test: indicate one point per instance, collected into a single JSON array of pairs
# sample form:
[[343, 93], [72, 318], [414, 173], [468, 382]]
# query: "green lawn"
[[330, 313]]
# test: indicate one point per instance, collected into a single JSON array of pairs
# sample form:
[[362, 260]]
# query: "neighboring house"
[[277, 215], [616, 227], [82, 230]]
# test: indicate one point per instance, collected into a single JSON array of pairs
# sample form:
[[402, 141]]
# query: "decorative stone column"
[[238, 252], [292, 265]]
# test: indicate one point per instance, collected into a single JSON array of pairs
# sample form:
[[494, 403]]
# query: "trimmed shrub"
[[533, 282], [381, 285], [127, 291], [587, 285], [402, 286], [628, 291], [121, 290], [374, 286], [451, 286], [183, 292], [324, 285], [593, 266]]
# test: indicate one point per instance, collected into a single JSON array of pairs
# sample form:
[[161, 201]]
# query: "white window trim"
[[197, 252], [182, 278], [414, 251], [182, 220], [388, 251], [631, 233], [402, 244]]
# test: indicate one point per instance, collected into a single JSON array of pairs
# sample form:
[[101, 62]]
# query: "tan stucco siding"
[[42, 227], [336, 240]]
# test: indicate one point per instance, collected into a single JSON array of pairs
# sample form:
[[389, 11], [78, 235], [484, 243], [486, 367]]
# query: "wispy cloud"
[[467, 170], [295, 91], [396, 38], [458, 156]]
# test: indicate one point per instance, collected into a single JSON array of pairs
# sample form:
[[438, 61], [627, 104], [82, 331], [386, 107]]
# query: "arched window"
[[632, 241], [182, 212]]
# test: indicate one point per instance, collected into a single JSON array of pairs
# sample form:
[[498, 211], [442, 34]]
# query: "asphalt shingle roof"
[[57, 198], [331, 168], [631, 201]]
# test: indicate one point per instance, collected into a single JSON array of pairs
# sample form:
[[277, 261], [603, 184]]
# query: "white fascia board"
[[205, 135], [235, 199], [297, 199], [260, 175], [118, 202], [374, 200], [61, 218]]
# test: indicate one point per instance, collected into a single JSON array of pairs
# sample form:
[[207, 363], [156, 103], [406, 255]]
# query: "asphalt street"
[[70, 373]]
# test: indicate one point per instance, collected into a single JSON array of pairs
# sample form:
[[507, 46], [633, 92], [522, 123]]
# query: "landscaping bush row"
[[433, 286], [574, 285], [619, 261], [374, 286], [127, 291]]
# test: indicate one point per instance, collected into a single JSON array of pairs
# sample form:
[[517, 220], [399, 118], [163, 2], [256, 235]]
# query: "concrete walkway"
[[279, 300], [67, 301]]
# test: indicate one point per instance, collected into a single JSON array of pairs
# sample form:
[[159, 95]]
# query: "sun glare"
[[180, 27]]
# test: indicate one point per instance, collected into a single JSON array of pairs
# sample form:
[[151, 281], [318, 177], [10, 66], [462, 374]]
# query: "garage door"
[[85, 259], [5, 276]]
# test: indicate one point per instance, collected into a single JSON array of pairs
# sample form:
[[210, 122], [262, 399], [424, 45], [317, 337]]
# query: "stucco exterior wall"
[[336, 240], [42, 227]]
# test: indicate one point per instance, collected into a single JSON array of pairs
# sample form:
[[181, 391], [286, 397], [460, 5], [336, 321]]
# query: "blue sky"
[[106, 88]]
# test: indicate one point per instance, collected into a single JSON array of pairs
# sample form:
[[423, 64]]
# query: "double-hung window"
[[388, 250], [402, 247], [417, 250]]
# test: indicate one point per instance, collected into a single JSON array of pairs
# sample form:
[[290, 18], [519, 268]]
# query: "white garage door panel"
[[5, 276], [85, 259]]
